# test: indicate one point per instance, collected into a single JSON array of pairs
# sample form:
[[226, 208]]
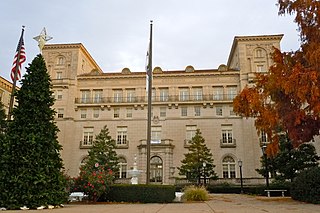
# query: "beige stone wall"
[[78, 76]]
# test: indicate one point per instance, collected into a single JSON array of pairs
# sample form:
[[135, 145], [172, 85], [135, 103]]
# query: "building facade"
[[182, 101], [5, 93]]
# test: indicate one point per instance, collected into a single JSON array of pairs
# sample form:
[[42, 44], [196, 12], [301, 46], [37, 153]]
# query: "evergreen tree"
[[193, 163], [31, 166], [102, 153], [290, 161]]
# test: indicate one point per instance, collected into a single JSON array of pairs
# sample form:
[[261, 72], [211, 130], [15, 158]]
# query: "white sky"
[[116, 32]]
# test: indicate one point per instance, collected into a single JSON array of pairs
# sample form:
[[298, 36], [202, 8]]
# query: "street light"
[[240, 166], [204, 173], [264, 147]]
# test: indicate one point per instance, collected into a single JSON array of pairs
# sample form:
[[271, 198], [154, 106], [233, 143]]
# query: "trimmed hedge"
[[234, 189], [140, 193], [306, 186]]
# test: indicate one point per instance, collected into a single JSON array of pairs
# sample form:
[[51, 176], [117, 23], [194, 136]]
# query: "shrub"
[[93, 183], [194, 193], [140, 193], [306, 186]]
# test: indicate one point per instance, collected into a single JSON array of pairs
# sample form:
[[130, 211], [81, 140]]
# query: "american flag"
[[22, 58]]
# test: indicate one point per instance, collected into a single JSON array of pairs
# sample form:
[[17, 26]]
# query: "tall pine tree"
[[31, 166], [193, 163], [102, 153]]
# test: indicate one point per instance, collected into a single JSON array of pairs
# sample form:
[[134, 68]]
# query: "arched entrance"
[[156, 169]]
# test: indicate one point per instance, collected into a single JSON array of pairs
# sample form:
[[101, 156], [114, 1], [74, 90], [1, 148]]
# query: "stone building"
[[183, 101], [5, 93]]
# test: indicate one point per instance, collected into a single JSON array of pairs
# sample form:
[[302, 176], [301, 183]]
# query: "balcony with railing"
[[116, 100]]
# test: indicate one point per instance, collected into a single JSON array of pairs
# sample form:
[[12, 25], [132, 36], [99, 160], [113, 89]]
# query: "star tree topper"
[[42, 38]]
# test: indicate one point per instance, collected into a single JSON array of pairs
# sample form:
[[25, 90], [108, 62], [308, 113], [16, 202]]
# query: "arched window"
[[122, 168], [60, 60], [156, 170], [259, 53], [228, 167]]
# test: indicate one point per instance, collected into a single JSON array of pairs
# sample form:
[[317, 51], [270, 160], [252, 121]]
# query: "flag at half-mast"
[[19, 59]]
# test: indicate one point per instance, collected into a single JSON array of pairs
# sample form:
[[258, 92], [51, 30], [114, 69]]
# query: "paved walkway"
[[219, 203]]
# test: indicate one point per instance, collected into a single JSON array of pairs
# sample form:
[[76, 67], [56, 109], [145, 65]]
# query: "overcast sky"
[[116, 32]]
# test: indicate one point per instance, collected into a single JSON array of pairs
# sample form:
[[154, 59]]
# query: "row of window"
[[156, 135], [185, 111], [156, 168]]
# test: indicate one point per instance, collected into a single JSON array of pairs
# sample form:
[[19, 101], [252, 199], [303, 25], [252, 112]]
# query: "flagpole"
[[15, 75], [149, 73]]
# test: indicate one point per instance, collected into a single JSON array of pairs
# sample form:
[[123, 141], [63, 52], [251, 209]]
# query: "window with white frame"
[[226, 131], [59, 75], [59, 94], [217, 93], [184, 111], [190, 132], [263, 137], [122, 173], [163, 112], [164, 94], [97, 96], [232, 113], [131, 95], [197, 111], [122, 134], [156, 134], [117, 95], [231, 92], [260, 68], [228, 167], [116, 113], [184, 94], [197, 94], [219, 111], [96, 113], [129, 112], [87, 136], [83, 113], [60, 112], [85, 96]]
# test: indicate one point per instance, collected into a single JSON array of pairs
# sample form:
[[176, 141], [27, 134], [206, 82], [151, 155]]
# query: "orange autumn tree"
[[287, 98]]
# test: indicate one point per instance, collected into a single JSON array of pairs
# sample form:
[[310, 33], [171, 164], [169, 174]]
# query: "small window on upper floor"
[[184, 111], [60, 113], [259, 53], [59, 95], [60, 60], [59, 75], [219, 111]]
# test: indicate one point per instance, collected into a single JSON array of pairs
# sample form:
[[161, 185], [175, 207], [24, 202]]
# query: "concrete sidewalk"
[[219, 203]]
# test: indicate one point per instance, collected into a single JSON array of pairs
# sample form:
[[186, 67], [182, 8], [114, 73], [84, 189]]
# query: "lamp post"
[[240, 167], [266, 164], [204, 173]]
